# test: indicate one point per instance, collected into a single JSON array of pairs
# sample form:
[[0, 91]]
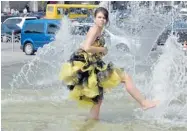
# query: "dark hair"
[[104, 11]]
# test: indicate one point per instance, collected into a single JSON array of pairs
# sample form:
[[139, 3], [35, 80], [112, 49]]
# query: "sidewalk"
[[10, 57]]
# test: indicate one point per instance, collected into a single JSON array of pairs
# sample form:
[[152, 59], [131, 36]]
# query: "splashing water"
[[41, 72], [167, 82]]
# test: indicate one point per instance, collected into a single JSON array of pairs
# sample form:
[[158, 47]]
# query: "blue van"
[[37, 33]]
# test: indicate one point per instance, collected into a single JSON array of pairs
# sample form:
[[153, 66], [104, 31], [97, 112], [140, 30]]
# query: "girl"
[[88, 77]]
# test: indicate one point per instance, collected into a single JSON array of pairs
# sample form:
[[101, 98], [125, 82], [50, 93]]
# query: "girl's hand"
[[82, 46], [105, 51]]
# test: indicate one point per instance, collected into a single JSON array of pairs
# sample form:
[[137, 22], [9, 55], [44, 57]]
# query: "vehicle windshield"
[[83, 11], [11, 26], [13, 21]]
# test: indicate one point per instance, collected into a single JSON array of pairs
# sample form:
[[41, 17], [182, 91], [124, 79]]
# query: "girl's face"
[[100, 19]]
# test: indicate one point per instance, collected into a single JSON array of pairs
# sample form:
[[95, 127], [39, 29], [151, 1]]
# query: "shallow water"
[[33, 113], [47, 109]]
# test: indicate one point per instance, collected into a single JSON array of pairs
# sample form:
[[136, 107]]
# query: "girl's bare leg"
[[135, 93], [95, 110]]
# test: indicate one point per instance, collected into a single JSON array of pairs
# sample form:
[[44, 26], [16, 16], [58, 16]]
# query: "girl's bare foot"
[[147, 104], [92, 118]]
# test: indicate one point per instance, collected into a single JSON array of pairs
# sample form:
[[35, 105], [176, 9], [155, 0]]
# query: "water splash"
[[168, 84], [42, 71], [143, 27]]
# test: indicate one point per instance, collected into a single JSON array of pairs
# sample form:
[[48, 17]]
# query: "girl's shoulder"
[[94, 29]]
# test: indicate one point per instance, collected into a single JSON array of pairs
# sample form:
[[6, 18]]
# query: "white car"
[[183, 12], [19, 21], [121, 42]]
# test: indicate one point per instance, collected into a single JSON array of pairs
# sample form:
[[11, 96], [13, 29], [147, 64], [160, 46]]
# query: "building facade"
[[36, 5], [41, 5]]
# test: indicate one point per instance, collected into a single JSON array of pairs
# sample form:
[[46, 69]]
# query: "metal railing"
[[11, 39]]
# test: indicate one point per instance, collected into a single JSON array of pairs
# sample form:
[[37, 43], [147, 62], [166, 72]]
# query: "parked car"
[[183, 12], [4, 17], [119, 41], [167, 9], [180, 29], [19, 21], [80, 26], [37, 33], [7, 30], [39, 15]]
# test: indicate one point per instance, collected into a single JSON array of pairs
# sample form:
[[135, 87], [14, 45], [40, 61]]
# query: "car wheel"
[[28, 48], [123, 47]]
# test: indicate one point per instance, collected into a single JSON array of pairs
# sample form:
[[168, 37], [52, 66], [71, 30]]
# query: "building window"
[[50, 9], [59, 11]]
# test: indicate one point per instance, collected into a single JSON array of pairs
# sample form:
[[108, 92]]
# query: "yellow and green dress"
[[88, 77]]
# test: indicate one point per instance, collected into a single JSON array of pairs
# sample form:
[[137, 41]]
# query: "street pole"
[[172, 19], [185, 55], [12, 41]]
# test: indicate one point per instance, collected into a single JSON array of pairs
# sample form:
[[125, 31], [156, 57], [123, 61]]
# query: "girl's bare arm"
[[90, 38]]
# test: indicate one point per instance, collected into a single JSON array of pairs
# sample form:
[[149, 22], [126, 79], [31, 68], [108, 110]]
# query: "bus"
[[73, 11]]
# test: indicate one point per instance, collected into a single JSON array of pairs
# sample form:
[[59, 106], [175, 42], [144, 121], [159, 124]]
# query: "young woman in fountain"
[[87, 76]]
